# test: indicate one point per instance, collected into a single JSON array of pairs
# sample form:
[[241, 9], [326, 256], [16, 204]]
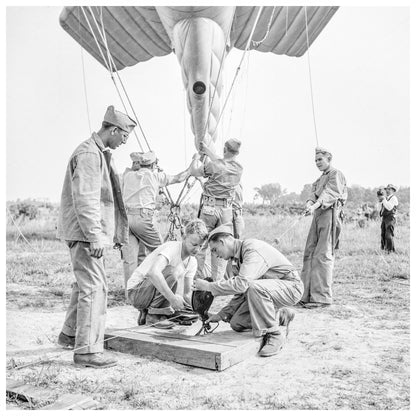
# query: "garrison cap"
[[391, 187], [222, 229], [233, 145], [321, 150], [118, 119], [146, 158], [135, 156]]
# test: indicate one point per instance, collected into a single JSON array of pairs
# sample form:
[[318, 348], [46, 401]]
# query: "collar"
[[330, 169], [237, 249], [98, 141]]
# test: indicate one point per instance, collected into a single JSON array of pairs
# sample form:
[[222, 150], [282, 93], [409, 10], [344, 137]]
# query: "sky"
[[360, 78]]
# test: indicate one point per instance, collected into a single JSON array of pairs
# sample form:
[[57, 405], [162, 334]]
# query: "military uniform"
[[265, 282], [218, 194], [331, 191], [140, 190]]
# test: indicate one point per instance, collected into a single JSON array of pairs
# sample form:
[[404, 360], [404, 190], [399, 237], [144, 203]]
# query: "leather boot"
[[66, 341], [94, 360], [272, 343]]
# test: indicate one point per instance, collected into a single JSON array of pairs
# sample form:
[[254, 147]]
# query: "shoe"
[[94, 360], [141, 319], [272, 343], [315, 305], [66, 341], [158, 321]]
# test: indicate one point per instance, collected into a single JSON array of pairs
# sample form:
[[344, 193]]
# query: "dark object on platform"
[[201, 302]]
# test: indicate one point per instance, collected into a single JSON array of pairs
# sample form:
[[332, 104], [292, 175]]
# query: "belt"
[[143, 211], [223, 202]]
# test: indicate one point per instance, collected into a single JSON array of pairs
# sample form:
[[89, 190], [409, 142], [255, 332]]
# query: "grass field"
[[353, 355]]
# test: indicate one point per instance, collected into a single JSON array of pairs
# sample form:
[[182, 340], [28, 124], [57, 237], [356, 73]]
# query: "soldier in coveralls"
[[388, 208], [141, 186], [91, 217], [329, 193], [223, 176]]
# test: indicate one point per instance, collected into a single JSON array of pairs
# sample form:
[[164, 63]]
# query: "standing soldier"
[[141, 186], [388, 208], [92, 216], [223, 176], [329, 193]]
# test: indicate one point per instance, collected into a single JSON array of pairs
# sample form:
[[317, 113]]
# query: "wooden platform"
[[217, 351]]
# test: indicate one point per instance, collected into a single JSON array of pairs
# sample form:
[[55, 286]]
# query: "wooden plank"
[[27, 392], [216, 351], [73, 402]]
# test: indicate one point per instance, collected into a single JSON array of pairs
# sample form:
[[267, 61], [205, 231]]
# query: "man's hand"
[[178, 303], [200, 284], [117, 246], [214, 318], [96, 249], [203, 148], [310, 208], [196, 156]]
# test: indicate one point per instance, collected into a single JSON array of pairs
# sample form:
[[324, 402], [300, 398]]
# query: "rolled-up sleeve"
[[389, 205], [334, 189], [86, 194], [253, 267]]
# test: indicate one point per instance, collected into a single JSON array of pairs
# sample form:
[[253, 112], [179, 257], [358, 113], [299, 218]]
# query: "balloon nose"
[[199, 87]]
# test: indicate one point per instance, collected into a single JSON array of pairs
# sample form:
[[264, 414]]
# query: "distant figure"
[[91, 217], [264, 284], [223, 175], [388, 207], [328, 195], [153, 288], [141, 185]]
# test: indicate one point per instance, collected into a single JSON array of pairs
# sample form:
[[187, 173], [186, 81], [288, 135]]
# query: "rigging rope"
[[257, 43], [310, 75]]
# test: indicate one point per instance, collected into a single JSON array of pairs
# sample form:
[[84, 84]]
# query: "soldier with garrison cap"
[[91, 217], [223, 176], [264, 284], [141, 187], [328, 195]]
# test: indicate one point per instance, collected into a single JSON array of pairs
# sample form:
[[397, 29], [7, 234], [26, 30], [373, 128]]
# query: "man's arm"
[[155, 274], [180, 177], [333, 190], [389, 205], [197, 167], [208, 152]]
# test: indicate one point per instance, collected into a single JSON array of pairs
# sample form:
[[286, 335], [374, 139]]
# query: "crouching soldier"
[[161, 284], [265, 284]]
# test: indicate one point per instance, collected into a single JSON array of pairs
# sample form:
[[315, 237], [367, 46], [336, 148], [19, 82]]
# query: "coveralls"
[[266, 281], [140, 190], [91, 210], [388, 215], [318, 261], [218, 193]]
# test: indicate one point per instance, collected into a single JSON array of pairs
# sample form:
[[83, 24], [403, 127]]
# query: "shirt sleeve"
[[389, 205], [227, 312], [162, 178], [312, 195], [333, 190], [191, 269], [253, 267], [86, 194]]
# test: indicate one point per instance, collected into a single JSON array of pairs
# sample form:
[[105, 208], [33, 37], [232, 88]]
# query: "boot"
[[159, 321], [66, 341], [94, 360], [141, 319], [272, 343]]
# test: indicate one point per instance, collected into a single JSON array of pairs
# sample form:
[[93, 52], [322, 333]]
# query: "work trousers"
[[238, 222], [86, 314], [143, 236], [213, 216], [146, 296], [387, 233], [318, 259], [259, 305]]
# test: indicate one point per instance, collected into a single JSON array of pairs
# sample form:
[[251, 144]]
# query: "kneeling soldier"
[[162, 282], [266, 282]]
